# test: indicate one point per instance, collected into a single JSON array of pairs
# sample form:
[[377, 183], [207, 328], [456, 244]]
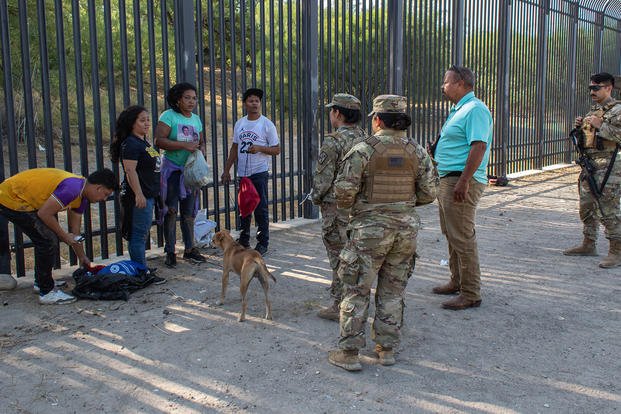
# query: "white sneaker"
[[57, 284], [7, 282], [56, 297]]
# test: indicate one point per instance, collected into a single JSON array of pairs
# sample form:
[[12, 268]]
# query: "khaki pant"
[[457, 223]]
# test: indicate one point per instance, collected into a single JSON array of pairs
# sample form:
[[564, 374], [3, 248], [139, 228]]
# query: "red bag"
[[248, 198]]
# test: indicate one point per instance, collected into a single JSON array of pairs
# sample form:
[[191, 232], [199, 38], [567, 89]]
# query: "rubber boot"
[[614, 255], [345, 358], [385, 355], [331, 313], [587, 248]]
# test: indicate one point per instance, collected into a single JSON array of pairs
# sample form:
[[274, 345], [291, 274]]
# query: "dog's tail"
[[262, 269]]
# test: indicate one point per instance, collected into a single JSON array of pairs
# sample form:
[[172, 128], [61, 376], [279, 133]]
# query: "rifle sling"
[[609, 169]]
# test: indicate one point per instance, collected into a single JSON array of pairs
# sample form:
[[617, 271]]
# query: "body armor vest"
[[392, 172]]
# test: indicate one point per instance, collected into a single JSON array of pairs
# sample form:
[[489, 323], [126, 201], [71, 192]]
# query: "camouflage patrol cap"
[[388, 104], [345, 100]]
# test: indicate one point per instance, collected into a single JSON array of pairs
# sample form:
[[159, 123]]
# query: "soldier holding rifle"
[[598, 138]]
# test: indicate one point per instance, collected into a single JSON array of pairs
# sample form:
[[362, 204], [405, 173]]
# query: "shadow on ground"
[[546, 338]]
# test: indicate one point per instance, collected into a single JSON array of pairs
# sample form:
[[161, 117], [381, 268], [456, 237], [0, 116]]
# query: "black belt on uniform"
[[452, 174]]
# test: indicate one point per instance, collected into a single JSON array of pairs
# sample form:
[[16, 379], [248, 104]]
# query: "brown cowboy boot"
[[345, 358], [614, 255], [331, 313], [587, 248]]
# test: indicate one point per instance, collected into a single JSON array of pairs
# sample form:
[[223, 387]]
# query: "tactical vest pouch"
[[605, 144], [392, 172], [590, 139]]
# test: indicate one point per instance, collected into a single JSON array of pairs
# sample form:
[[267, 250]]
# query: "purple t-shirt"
[[68, 190]]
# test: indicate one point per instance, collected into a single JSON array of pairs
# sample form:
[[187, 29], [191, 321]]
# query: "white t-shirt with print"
[[246, 133]]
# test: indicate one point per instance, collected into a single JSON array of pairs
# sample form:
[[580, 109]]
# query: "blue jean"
[[185, 207], [142, 218], [261, 213]]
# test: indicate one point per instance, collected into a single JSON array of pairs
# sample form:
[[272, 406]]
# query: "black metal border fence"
[[68, 67]]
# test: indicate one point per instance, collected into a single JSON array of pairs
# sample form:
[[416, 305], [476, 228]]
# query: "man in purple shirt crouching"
[[31, 200]]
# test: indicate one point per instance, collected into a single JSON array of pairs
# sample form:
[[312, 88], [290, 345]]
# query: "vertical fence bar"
[[597, 46], [165, 52], [77, 46], [502, 95], [29, 132], [97, 124], [395, 42], [185, 46], [62, 86], [572, 46], [124, 53], [214, 126], [310, 93], [118, 245], [542, 70], [5, 249], [45, 85], [138, 57], [459, 29]]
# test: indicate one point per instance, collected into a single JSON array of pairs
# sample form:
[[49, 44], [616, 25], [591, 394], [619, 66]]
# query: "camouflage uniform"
[[610, 131], [382, 239], [334, 224]]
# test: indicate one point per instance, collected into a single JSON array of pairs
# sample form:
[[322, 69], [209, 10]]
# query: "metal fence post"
[[185, 42], [310, 76], [501, 129], [572, 46], [5, 252], [395, 46], [619, 47], [542, 69], [597, 46], [459, 30]]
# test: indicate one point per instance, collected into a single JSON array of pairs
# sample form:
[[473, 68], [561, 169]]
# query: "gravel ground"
[[545, 339]]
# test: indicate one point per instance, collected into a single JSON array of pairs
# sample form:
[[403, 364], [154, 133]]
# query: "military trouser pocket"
[[348, 267]]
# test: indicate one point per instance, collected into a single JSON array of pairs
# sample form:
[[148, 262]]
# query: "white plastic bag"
[[196, 171], [203, 229]]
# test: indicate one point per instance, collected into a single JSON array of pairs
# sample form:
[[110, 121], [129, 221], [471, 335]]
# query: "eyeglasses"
[[596, 88]]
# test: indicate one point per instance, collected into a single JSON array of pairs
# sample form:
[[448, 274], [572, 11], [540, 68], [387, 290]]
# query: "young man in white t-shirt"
[[255, 141]]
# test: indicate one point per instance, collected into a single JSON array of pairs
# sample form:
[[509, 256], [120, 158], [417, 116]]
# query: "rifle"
[[588, 169]]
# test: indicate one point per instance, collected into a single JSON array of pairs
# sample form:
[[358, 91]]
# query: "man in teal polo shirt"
[[462, 154]]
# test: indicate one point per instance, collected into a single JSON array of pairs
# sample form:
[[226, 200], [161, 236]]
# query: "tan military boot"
[[345, 358], [614, 255], [331, 313], [385, 355], [587, 248]]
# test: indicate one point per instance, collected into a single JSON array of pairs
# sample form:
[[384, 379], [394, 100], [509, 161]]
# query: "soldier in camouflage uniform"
[[383, 178], [602, 131], [344, 117]]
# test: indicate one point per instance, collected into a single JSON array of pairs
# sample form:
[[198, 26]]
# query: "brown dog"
[[247, 263]]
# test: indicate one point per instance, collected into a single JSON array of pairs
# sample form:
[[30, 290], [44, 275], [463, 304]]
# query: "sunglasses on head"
[[596, 88]]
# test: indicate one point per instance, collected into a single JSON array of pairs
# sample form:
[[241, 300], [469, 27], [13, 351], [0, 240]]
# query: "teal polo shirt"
[[467, 122]]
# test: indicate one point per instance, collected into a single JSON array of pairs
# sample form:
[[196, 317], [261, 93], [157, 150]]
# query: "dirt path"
[[546, 338]]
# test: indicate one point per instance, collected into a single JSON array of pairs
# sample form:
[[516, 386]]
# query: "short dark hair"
[[464, 74], [352, 116], [176, 92], [103, 177], [252, 92], [603, 77], [395, 120]]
